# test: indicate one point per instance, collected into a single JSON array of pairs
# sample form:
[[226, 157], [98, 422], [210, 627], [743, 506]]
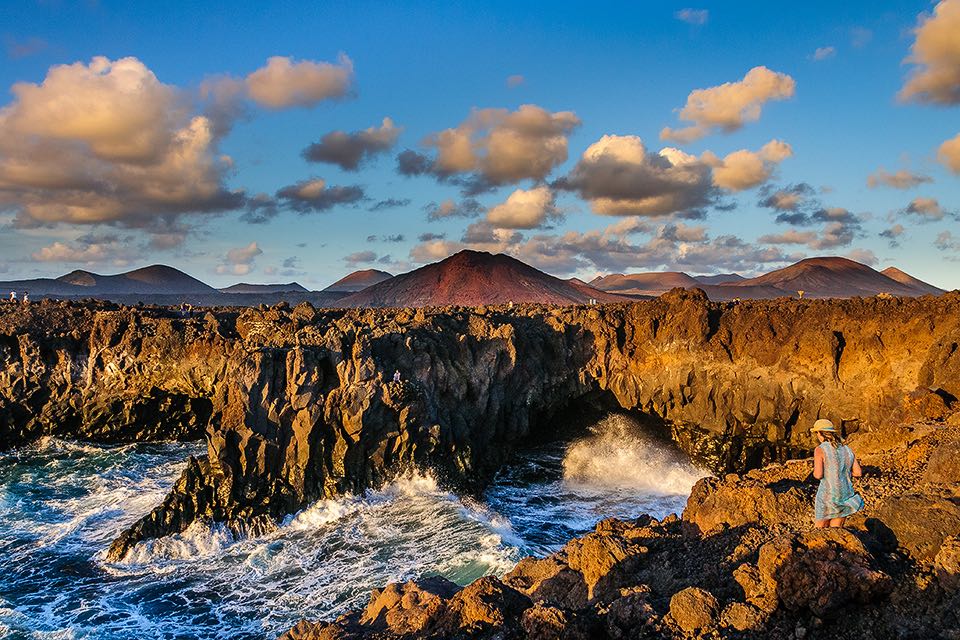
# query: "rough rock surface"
[[761, 578], [297, 404]]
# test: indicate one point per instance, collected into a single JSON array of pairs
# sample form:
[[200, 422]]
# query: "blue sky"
[[623, 69]]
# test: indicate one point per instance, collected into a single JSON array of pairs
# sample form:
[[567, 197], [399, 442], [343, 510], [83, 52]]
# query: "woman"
[[835, 466]]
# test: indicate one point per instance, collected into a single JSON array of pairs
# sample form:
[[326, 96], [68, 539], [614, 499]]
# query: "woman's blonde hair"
[[833, 438]]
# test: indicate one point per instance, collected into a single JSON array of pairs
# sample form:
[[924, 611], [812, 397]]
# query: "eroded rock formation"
[[298, 404]]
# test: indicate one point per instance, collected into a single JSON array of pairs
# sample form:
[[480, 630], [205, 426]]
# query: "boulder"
[[694, 609], [921, 521], [947, 563], [778, 495], [818, 571], [549, 581], [541, 622], [483, 605], [740, 616], [413, 607], [943, 467], [631, 615]]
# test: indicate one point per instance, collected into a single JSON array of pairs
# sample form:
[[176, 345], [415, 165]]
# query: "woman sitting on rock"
[[835, 466]]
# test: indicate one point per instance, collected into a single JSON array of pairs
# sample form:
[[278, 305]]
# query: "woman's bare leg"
[[837, 522], [822, 524]]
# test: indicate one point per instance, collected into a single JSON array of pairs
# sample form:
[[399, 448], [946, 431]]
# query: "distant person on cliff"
[[835, 466], [396, 376], [13, 296], [26, 296]]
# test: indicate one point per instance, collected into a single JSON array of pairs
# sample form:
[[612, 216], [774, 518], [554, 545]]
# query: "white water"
[[61, 504]]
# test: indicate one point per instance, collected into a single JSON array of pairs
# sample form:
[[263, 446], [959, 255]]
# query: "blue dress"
[[836, 497]]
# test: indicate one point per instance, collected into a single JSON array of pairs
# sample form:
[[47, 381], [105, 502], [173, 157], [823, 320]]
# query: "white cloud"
[[928, 209], [497, 146], [239, 261], [729, 106], [745, 169], [936, 52], [902, 179], [618, 176], [107, 142], [949, 154], [283, 83], [524, 209]]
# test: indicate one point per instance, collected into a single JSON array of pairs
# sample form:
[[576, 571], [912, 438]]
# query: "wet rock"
[[818, 571], [921, 521], [693, 609]]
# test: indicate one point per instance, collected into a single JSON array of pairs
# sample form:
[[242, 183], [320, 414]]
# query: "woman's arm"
[[855, 469], [817, 463]]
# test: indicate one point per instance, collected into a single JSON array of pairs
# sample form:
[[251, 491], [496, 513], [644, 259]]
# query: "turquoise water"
[[62, 503]]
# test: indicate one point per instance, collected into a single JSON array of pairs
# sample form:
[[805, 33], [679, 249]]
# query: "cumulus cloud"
[[107, 142], [901, 179], [283, 82], [834, 234], [936, 52], [893, 235], [731, 105], [824, 53], [313, 195], [949, 154], [515, 81], [618, 176], [468, 208], [790, 198], [745, 169], [430, 237], [927, 209], [349, 150], [693, 16], [494, 147], [524, 209], [239, 260], [90, 249], [863, 256], [947, 242], [791, 236]]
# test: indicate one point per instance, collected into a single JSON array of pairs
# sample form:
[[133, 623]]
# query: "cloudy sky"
[[240, 141]]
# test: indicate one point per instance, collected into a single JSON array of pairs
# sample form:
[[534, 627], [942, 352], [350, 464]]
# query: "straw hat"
[[823, 425]]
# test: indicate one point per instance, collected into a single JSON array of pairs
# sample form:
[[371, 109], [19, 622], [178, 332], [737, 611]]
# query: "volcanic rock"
[[819, 571], [693, 609], [922, 520]]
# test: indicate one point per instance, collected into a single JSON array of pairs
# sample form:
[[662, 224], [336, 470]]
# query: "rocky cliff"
[[742, 562], [298, 404]]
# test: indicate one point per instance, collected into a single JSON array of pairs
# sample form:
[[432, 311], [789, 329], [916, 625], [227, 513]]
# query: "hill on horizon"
[[829, 277], [244, 287], [651, 284], [474, 278], [156, 280], [358, 281]]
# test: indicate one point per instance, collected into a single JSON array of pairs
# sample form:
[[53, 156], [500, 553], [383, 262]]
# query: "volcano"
[[474, 278]]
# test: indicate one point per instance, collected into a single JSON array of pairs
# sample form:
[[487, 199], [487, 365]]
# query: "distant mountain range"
[[472, 278], [829, 277]]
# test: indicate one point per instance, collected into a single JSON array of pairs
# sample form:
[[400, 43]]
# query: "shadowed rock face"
[[299, 404]]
